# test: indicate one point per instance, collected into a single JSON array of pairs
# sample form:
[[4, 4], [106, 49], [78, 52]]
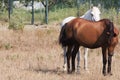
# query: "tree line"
[[67, 3]]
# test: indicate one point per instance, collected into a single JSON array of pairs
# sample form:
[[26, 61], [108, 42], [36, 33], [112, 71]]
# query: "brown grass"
[[34, 54]]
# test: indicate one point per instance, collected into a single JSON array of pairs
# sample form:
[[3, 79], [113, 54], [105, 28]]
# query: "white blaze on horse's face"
[[96, 13]]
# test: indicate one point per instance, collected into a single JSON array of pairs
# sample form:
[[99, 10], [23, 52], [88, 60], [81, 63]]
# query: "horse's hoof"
[[69, 72], [64, 69], [87, 70], [110, 74], [78, 72], [104, 74], [72, 71]]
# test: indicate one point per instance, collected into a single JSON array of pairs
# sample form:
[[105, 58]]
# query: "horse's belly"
[[91, 45], [91, 41], [87, 39]]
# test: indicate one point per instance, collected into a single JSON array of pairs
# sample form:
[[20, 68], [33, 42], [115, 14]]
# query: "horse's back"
[[86, 27]]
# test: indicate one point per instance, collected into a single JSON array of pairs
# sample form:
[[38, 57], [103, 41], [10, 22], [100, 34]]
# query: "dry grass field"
[[34, 54]]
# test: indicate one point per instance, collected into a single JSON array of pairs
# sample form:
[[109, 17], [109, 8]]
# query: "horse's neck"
[[66, 20], [87, 15]]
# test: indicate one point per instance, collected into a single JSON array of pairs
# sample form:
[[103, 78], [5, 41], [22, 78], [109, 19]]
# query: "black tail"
[[62, 36]]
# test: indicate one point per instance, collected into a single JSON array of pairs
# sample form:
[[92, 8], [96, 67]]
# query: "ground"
[[34, 54]]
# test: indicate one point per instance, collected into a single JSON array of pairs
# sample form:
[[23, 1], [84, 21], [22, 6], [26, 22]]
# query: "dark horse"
[[81, 32]]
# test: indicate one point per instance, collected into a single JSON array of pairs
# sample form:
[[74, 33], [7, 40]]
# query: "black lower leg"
[[73, 65], [104, 67], [74, 52], [68, 65], [68, 54], [104, 60], [109, 64]]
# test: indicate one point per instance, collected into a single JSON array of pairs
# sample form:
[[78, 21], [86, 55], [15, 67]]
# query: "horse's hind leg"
[[78, 61], [74, 52], [68, 54], [65, 59], [85, 59], [104, 60]]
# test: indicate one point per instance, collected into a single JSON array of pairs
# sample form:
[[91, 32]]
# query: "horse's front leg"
[[68, 54], [110, 54], [104, 60], [74, 52]]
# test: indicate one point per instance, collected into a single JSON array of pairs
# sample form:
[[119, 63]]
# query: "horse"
[[80, 32], [93, 15]]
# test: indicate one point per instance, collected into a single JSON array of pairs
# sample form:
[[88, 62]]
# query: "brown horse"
[[80, 32]]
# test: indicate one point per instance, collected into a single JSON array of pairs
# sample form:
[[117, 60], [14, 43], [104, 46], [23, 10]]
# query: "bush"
[[16, 25], [16, 22]]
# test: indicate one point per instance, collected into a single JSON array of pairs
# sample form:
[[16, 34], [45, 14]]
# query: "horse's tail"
[[62, 36]]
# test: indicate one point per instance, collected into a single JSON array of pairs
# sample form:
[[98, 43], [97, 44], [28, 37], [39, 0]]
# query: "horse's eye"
[[91, 14]]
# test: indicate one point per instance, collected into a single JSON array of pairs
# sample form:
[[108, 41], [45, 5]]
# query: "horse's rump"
[[65, 37]]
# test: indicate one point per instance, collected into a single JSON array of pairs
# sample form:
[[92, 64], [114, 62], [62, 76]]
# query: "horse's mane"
[[110, 29], [86, 14]]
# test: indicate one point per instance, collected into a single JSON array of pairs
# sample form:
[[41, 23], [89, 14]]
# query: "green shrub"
[[16, 25], [16, 22], [4, 15]]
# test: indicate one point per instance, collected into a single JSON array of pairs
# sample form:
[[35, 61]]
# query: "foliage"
[[70, 3], [58, 10], [15, 25], [3, 15]]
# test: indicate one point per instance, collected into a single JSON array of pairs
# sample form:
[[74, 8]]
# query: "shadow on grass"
[[47, 70]]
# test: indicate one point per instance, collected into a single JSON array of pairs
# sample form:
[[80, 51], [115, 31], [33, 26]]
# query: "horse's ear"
[[99, 6], [111, 26], [116, 32], [91, 6]]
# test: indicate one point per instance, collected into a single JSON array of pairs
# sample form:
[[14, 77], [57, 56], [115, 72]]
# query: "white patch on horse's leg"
[[78, 61], [65, 59], [65, 67], [85, 59]]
